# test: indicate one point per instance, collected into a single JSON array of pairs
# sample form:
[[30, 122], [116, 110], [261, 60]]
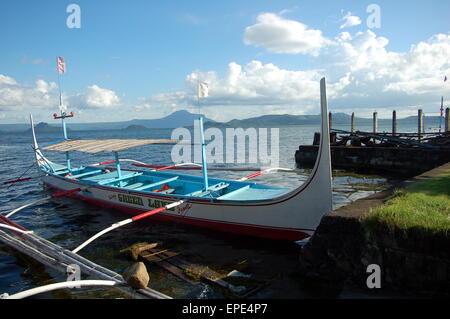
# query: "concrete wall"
[[395, 161], [342, 248]]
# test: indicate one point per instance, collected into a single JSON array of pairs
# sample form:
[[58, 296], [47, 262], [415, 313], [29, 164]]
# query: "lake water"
[[68, 222]]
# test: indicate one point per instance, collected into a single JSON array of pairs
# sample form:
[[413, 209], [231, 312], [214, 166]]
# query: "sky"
[[142, 59]]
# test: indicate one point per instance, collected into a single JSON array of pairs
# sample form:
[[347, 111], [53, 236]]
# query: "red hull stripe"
[[242, 229], [66, 193], [18, 180], [108, 162], [149, 213]]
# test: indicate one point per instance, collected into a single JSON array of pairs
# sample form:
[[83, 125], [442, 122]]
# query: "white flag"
[[202, 89]]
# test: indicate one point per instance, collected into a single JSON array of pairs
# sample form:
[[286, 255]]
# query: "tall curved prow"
[[323, 162], [40, 159], [321, 177], [313, 199]]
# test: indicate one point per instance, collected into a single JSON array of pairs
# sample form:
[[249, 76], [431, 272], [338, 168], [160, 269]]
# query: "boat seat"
[[117, 179], [213, 188], [87, 174], [250, 193], [62, 172], [135, 185], [157, 183], [57, 167], [100, 177], [234, 193]]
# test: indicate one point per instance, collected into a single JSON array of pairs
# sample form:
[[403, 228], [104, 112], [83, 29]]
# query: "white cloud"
[[350, 21], [377, 77], [281, 35], [16, 97], [362, 75], [45, 95], [250, 90], [95, 97]]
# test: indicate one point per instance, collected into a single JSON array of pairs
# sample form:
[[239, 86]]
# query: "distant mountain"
[[286, 119], [186, 119], [43, 127], [174, 120], [135, 127], [337, 119]]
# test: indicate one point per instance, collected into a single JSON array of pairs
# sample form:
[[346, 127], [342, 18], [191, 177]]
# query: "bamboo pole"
[[447, 119], [375, 122], [394, 123], [353, 123], [32, 252], [330, 120], [420, 124], [64, 256]]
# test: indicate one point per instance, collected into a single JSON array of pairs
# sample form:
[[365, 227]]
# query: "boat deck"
[[170, 184]]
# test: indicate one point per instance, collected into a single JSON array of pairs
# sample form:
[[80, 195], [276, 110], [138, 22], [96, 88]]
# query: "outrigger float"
[[236, 206]]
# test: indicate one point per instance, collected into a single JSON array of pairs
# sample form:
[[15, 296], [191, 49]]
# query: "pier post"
[[375, 122], [353, 123], [447, 119], [330, 120], [420, 124], [394, 123]]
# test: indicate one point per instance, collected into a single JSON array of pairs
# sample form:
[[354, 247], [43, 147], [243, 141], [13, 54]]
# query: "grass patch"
[[421, 209]]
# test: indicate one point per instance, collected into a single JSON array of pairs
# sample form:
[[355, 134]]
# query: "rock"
[[136, 275], [134, 250]]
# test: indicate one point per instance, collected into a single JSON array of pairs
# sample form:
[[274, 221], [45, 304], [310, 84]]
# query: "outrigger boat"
[[233, 206]]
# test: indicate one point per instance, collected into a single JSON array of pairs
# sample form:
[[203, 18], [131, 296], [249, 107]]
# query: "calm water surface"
[[68, 223]]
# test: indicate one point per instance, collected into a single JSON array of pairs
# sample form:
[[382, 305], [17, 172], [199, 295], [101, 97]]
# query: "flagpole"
[[202, 141], [63, 114], [61, 100], [442, 113], [442, 108]]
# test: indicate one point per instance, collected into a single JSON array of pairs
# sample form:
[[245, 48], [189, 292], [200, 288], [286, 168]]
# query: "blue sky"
[[139, 59]]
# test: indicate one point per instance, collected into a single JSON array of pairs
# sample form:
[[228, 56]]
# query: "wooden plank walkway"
[[182, 269]]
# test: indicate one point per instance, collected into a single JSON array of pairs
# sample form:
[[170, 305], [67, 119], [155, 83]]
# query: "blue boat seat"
[[119, 179], [164, 181], [213, 188], [108, 176], [250, 194], [87, 174], [57, 167], [234, 193], [135, 185]]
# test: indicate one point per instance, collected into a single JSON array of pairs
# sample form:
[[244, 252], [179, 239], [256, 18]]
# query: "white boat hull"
[[291, 216]]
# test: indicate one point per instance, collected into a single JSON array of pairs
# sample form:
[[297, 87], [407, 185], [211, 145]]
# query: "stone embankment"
[[342, 248]]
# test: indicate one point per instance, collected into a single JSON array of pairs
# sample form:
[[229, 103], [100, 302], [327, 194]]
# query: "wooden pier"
[[394, 153]]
